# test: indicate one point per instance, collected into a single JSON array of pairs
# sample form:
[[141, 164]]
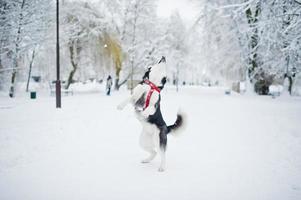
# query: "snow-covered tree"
[[257, 37], [23, 26], [139, 36], [176, 41], [219, 48], [81, 23]]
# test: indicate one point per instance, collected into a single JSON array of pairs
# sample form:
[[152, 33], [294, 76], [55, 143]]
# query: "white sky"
[[187, 9]]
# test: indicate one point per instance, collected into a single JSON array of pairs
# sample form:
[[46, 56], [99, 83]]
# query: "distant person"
[[109, 85]]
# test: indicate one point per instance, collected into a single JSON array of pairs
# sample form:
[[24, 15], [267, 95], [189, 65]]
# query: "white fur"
[[181, 129], [149, 138], [158, 71]]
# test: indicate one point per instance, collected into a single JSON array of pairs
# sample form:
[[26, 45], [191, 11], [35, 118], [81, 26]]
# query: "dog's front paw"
[[119, 107], [145, 161], [161, 169]]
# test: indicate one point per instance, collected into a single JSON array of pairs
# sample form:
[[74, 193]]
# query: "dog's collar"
[[153, 88], [152, 85]]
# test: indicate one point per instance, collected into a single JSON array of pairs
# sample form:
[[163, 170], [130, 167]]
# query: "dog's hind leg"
[[152, 155], [147, 143], [162, 164], [162, 147]]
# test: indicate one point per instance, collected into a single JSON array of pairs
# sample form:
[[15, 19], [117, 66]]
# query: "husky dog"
[[146, 101]]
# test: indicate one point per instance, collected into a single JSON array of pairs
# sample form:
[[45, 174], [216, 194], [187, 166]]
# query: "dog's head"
[[157, 73]]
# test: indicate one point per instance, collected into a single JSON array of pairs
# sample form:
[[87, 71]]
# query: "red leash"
[[153, 88]]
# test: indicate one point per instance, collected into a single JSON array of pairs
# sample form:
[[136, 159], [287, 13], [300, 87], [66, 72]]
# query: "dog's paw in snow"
[[161, 169], [120, 107], [150, 158], [145, 161]]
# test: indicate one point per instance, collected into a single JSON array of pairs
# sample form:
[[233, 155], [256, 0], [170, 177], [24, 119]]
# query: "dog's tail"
[[179, 125]]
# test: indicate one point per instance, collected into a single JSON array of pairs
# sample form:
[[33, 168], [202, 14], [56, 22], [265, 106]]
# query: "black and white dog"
[[146, 101]]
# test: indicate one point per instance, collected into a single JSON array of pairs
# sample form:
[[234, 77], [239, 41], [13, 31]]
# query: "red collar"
[[153, 87]]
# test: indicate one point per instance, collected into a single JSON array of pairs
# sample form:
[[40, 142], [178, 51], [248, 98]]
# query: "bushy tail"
[[179, 125]]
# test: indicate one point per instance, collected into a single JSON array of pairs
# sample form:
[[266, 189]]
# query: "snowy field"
[[234, 148]]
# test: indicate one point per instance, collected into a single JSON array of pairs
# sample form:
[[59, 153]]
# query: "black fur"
[[163, 81], [177, 124], [163, 137], [162, 60], [157, 119], [146, 74]]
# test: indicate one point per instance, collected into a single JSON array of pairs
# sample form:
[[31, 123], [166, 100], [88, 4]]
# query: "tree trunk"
[[16, 56], [70, 78], [30, 67], [252, 21], [1, 54], [133, 45], [117, 85], [290, 86], [132, 74], [72, 49], [12, 87], [286, 22]]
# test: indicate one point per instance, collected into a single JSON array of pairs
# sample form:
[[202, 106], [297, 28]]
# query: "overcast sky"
[[187, 9]]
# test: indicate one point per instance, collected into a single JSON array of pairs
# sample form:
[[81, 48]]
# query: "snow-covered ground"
[[234, 148]]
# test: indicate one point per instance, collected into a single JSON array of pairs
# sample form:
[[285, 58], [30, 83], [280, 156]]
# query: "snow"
[[234, 147]]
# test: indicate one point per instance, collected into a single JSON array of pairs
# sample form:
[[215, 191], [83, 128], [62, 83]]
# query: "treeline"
[[106, 37], [254, 41]]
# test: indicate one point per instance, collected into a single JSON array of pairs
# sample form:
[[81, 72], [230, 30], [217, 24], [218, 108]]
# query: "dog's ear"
[[146, 75], [162, 60]]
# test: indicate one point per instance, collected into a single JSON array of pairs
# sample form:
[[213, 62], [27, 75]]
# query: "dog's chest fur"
[[156, 117]]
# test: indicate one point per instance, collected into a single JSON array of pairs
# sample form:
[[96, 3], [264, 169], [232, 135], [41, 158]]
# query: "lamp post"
[[58, 82]]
